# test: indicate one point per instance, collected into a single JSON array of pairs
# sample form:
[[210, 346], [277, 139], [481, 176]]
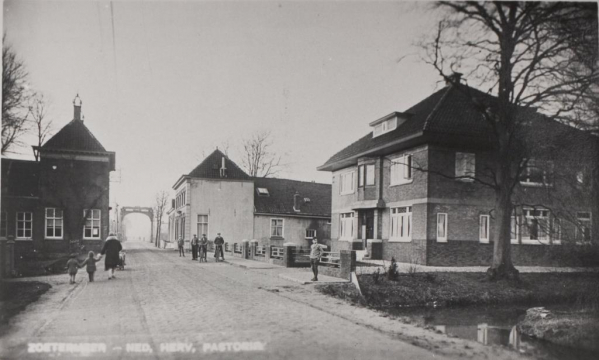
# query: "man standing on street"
[[315, 255], [218, 247], [181, 244], [203, 247], [194, 247]]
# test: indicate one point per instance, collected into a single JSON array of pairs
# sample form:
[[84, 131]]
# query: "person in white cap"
[[111, 249]]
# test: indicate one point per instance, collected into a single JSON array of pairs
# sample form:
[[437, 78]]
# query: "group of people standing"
[[201, 246]]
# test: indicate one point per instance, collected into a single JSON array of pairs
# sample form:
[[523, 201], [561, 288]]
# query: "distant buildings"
[[61, 202], [218, 197]]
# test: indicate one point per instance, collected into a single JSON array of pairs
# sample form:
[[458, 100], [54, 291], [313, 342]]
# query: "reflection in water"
[[492, 326]]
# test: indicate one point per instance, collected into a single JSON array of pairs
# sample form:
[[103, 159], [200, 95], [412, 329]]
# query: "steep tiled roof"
[[210, 168], [74, 136], [20, 177], [280, 197], [447, 111]]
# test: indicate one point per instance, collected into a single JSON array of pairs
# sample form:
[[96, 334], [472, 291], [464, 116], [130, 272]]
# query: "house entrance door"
[[367, 226]]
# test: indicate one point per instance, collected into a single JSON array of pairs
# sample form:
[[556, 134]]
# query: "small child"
[[91, 264], [73, 266]]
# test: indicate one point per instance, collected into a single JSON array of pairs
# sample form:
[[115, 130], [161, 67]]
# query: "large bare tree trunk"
[[502, 266]]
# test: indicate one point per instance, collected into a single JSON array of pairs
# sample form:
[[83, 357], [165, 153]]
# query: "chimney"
[[223, 169], [77, 105], [453, 78], [296, 202]]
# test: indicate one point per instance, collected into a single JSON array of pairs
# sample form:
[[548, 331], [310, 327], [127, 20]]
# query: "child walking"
[[90, 263], [73, 266]]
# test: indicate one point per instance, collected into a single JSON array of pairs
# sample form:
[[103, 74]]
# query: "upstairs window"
[[465, 166], [347, 183], [401, 170], [384, 127], [365, 175], [276, 227], [537, 173], [262, 191]]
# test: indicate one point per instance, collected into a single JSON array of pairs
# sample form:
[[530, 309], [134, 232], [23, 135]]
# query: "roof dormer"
[[388, 123]]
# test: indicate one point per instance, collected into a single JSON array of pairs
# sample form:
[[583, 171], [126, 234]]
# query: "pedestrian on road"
[[73, 266], [315, 255], [90, 263], [203, 247], [194, 247], [111, 249], [181, 244], [218, 247]]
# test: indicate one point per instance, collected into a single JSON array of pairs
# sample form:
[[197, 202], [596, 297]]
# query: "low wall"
[[347, 265]]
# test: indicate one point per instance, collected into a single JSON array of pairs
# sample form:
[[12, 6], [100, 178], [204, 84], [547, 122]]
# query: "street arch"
[[148, 211]]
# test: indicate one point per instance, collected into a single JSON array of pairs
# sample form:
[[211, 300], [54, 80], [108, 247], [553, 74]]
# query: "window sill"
[[483, 241], [441, 240], [534, 184], [53, 238], [92, 238], [403, 183], [400, 240], [347, 193], [23, 239]]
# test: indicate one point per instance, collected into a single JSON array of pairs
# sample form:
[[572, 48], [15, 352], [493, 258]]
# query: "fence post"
[[347, 263], [253, 244], [245, 245]]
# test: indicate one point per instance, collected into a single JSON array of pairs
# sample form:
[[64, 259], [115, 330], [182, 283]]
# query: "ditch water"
[[491, 326]]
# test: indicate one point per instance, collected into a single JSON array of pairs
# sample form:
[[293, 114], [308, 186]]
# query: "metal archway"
[[148, 211]]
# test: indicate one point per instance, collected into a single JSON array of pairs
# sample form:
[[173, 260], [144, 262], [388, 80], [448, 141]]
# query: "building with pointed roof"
[[60, 202], [217, 196], [406, 189]]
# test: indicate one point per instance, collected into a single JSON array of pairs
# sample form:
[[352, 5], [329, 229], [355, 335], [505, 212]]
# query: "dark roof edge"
[[434, 111], [331, 166], [283, 179], [324, 217]]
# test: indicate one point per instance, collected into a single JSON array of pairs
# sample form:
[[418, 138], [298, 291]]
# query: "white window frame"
[[465, 165], [3, 224], [199, 223], [400, 219], [442, 238], [543, 236], [556, 231], [400, 171], [516, 223], [24, 221], [310, 233], [484, 225], [344, 182], [589, 223], [51, 220], [273, 226], [384, 127], [346, 226], [93, 219], [262, 191]]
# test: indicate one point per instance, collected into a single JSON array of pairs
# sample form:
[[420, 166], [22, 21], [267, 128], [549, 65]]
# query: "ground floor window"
[[91, 229], [401, 224], [276, 227], [24, 225], [347, 226], [54, 223], [441, 227], [202, 225], [483, 229], [583, 228], [310, 233], [535, 227]]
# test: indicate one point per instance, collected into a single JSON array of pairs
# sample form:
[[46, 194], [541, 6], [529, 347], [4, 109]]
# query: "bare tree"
[[161, 200], [42, 126], [15, 95], [527, 59], [258, 158]]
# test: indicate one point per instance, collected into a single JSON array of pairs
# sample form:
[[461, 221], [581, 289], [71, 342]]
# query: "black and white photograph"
[[261, 179]]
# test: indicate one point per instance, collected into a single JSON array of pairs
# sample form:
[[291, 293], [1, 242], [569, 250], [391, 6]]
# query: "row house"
[[219, 197], [414, 187], [61, 202]]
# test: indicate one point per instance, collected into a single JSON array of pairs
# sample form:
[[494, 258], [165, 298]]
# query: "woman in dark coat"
[[111, 249]]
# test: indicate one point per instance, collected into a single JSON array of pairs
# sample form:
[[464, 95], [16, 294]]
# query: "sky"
[[163, 83]]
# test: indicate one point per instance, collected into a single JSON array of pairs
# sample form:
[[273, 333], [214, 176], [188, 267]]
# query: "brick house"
[[406, 189], [218, 196], [60, 202]]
